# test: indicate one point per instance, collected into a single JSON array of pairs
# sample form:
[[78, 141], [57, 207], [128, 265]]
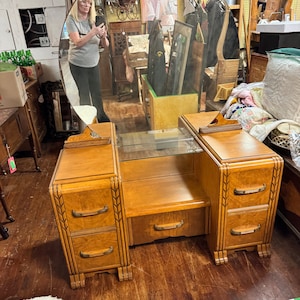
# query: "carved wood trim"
[[67, 246], [120, 222]]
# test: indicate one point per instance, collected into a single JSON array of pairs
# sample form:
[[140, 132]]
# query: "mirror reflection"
[[86, 34], [108, 83], [104, 64]]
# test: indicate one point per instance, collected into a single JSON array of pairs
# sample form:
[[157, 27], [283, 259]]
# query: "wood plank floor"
[[32, 262]]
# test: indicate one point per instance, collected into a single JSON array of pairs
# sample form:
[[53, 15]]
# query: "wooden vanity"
[[112, 192]]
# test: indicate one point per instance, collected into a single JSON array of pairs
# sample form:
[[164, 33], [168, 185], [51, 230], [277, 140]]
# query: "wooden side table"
[[14, 130]]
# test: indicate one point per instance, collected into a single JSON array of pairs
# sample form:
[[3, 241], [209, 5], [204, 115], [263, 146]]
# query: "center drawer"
[[146, 229]]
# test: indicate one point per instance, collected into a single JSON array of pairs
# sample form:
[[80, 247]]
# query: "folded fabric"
[[251, 116], [248, 94], [261, 131]]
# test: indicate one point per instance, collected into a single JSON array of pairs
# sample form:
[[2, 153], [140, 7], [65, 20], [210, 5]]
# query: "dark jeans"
[[89, 88]]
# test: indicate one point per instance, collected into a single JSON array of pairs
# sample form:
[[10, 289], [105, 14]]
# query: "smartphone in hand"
[[99, 20]]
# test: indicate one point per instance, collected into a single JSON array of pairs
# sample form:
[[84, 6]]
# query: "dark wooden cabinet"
[[13, 129], [289, 205], [23, 128], [36, 114], [258, 67]]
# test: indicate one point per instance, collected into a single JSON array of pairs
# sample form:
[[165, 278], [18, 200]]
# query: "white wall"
[[55, 12]]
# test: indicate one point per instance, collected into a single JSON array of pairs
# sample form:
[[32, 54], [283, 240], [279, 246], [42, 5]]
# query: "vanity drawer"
[[89, 205], [95, 251], [146, 229], [245, 227], [250, 186]]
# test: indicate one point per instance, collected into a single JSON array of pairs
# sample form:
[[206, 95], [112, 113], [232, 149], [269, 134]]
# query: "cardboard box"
[[12, 87]]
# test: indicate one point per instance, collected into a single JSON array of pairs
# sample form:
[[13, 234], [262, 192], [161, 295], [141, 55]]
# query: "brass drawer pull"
[[245, 229], [168, 226], [97, 254], [250, 190], [79, 214]]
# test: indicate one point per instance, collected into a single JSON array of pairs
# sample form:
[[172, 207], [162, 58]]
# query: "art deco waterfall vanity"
[[112, 192]]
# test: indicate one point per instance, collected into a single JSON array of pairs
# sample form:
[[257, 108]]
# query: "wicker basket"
[[279, 139], [280, 135]]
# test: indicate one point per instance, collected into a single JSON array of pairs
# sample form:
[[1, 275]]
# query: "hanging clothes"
[[216, 12], [156, 59], [198, 17]]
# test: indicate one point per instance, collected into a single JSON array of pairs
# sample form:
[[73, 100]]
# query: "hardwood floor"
[[32, 262]]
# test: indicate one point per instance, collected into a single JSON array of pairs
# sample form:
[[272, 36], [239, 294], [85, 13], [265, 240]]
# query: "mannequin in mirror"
[[85, 38]]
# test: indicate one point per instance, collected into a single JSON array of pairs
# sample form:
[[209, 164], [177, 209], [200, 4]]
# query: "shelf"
[[163, 194]]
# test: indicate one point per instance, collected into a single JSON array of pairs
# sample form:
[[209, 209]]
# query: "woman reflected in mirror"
[[85, 38]]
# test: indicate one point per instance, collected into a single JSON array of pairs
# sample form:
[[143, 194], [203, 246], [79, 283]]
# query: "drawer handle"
[[97, 254], [250, 190], [168, 226], [245, 230], [79, 214]]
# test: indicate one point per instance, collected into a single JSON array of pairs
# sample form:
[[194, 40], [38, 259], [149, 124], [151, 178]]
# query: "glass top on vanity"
[[155, 143]]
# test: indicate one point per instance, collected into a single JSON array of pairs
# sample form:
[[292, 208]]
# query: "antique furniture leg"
[[33, 150], [4, 232], [3, 171], [2, 198]]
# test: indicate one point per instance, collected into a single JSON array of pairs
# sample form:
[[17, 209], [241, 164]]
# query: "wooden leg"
[[220, 257], [125, 273], [3, 171], [264, 250], [33, 150], [77, 281], [4, 232], [2, 198]]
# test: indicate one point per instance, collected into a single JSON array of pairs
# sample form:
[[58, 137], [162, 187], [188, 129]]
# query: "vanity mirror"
[[215, 12], [118, 112]]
